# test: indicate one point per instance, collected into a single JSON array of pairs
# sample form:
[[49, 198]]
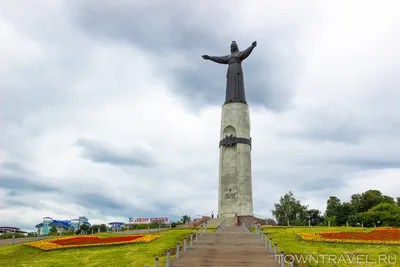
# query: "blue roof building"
[[61, 225], [115, 225]]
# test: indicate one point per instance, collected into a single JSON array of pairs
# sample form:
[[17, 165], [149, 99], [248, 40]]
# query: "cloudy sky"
[[107, 109]]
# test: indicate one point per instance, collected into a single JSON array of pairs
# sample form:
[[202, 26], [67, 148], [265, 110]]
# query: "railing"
[[272, 248], [180, 249], [279, 256]]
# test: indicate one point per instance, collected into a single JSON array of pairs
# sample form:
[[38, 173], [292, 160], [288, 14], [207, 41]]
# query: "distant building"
[[61, 225], [115, 225], [10, 229]]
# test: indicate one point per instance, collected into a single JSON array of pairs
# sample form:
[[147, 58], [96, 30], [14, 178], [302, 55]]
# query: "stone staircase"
[[213, 223], [229, 247]]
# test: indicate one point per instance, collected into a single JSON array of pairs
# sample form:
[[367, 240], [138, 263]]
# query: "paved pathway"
[[6, 242]]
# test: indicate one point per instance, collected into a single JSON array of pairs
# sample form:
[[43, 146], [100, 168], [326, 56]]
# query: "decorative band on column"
[[233, 140]]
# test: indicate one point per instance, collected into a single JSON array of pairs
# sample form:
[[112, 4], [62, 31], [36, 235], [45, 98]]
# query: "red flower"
[[377, 234], [94, 240]]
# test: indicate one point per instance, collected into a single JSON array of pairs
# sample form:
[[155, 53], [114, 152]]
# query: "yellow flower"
[[316, 237], [48, 244]]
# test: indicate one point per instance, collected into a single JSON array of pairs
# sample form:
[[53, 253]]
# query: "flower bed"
[[377, 236], [87, 241]]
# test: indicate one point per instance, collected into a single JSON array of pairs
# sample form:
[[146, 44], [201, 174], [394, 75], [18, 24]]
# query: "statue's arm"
[[244, 54], [220, 60]]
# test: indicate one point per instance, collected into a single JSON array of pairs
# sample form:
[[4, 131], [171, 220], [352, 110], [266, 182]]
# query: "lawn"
[[332, 254], [114, 255]]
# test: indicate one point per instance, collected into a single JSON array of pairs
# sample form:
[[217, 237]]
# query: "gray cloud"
[[18, 178], [12, 193], [98, 201], [20, 184], [145, 25], [18, 203], [374, 162], [103, 153], [15, 167], [184, 30]]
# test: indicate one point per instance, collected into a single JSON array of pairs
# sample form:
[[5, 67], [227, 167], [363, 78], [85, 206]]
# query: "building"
[[61, 225], [115, 225], [10, 229]]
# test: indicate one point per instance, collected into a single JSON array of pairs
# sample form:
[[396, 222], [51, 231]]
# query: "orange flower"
[[377, 236], [87, 241]]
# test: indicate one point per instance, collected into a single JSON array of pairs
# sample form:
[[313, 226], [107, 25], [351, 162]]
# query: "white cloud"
[[334, 63]]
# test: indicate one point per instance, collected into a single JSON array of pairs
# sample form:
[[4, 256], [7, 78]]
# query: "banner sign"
[[147, 220]]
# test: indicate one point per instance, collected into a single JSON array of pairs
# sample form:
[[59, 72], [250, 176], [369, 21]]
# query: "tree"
[[340, 213], [95, 228], [185, 219], [103, 227], [356, 201], [84, 227], [385, 213], [398, 201], [157, 224], [332, 206], [270, 221], [369, 199], [289, 210], [314, 216], [345, 213], [69, 232], [53, 230], [330, 220]]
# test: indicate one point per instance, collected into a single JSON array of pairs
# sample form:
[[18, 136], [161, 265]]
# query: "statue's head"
[[234, 47]]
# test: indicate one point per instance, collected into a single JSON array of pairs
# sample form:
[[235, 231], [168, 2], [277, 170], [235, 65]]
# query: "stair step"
[[233, 247]]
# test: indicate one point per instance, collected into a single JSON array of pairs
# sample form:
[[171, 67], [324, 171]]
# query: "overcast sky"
[[109, 111]]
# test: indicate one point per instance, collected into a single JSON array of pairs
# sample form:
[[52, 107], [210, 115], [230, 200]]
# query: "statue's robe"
[[234, 77]]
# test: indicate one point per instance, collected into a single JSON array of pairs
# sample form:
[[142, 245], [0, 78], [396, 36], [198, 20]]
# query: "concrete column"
[[235, 185], [168, 258], [178, 247], [270, 244]]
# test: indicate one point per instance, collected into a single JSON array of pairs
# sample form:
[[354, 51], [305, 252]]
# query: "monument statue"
[[234, 78], [235, 197]]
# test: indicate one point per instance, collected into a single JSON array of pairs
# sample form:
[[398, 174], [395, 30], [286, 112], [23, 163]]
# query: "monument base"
[[249, 220]]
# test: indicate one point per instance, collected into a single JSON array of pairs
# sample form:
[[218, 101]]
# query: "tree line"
[[370, 209]]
